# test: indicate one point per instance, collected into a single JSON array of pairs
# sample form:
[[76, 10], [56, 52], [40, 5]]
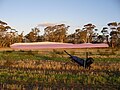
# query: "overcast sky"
[[26, 14]]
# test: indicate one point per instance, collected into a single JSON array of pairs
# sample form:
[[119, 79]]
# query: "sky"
[[23, 15]]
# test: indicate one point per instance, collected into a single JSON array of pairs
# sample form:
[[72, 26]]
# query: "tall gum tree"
[[89, 28], [115, 34], [56, 33]]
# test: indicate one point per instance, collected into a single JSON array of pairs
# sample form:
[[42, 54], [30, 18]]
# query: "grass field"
[[52, 69]]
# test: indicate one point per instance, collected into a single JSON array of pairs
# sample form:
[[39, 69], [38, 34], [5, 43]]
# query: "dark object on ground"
[[85, 63]]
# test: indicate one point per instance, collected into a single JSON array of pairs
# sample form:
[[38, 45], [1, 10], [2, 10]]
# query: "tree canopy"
[[59, 33]]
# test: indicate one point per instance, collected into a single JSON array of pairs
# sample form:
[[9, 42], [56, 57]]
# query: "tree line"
[[59, 33]]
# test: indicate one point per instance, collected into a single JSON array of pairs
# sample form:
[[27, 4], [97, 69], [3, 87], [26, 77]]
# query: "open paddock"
[[52, 69]]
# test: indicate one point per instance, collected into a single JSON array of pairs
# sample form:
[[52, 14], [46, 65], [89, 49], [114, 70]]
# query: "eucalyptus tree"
[[89, 28], [3, 34], [95, 36], [3, 27], [56, 33], [20, 38], [80, 35], [3, 23], [105, 35], [49, 33], [77, 36], [83, 36], [33, 35], [100, 39], [115, 34], [70, 38], [104, 31], [61, 32]]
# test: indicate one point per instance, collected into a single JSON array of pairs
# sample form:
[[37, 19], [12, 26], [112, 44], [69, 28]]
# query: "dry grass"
[[34, 74], [65, 74]]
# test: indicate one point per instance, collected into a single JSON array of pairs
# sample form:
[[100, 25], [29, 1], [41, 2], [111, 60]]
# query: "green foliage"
[[30, 55]]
